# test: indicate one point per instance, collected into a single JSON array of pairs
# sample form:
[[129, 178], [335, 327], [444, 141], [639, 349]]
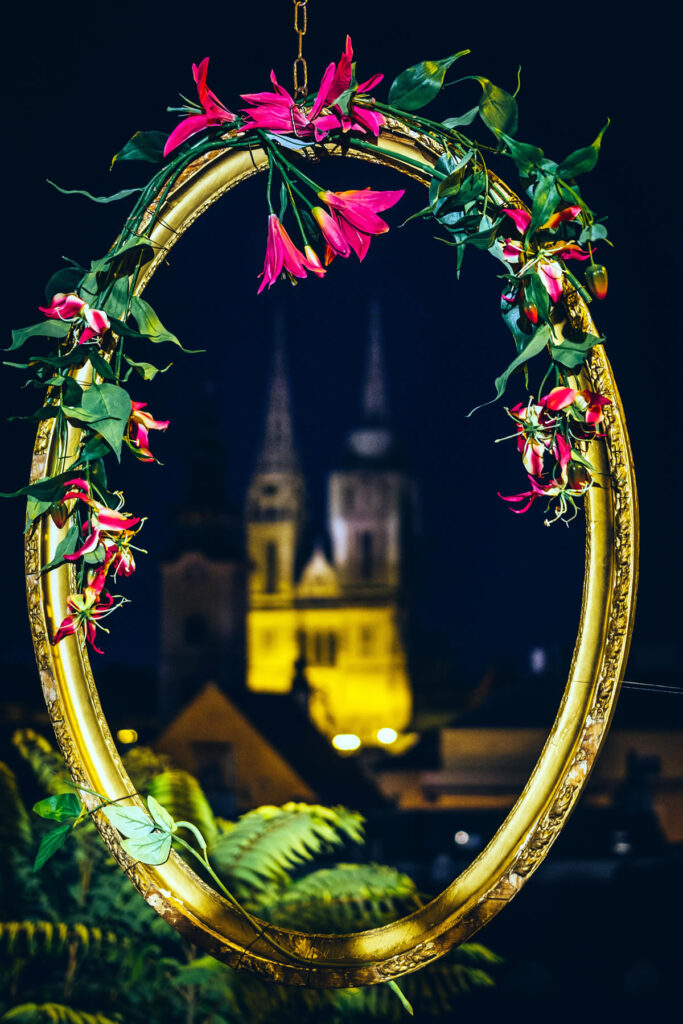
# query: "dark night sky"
[[80, 83]]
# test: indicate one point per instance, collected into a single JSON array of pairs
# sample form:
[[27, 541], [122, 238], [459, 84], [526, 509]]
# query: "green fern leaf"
[[345, 898], [15, 823], [52, 1013], [48, 766], [267, 843]]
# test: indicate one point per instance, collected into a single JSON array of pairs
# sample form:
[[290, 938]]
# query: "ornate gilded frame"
[[582, 721]]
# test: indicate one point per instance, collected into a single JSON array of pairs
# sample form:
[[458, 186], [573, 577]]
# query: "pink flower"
[[551, 274], [214, 111], [522, 218], [85, 611], [572, 481], [102, 521], [139, 425], [283, 255], [278, 112], [71, 308], [352, 220]]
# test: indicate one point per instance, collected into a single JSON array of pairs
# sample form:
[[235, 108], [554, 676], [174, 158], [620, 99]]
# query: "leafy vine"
[[96, 320]]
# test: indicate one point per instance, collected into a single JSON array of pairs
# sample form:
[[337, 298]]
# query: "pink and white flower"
[[283, 256], [91, 323], [139, 425]]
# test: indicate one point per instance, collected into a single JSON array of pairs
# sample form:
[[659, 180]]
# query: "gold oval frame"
[[561, 772]]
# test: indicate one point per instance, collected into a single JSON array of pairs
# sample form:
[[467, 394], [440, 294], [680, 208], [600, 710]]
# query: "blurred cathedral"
[[326, 622]]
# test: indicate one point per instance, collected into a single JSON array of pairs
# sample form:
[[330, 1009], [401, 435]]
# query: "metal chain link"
[[300, 69]]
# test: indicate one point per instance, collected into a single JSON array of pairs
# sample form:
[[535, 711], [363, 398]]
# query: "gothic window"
[[194, 629], [366, 555], [271, 567]]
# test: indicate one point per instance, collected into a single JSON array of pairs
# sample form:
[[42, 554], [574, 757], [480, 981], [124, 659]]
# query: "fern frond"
[[48, 765], [31, 938], [143, 765], [52, 1013], [183, 797], [267, 843], [15, 824], [344, 898]]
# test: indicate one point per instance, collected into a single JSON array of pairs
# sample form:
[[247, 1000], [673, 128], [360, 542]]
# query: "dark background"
[[81, 78]]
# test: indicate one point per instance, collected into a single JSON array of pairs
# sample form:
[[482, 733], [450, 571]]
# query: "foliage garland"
[[93, 314]]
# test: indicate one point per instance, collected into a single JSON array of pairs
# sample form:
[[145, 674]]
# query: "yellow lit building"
[[340, 621]]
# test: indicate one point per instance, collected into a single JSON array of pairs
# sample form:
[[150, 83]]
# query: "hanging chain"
[[299, 68]]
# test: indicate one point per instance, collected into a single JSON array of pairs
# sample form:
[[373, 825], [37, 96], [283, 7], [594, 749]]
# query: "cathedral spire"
[[373, 439], [375, 404], [278, 454]]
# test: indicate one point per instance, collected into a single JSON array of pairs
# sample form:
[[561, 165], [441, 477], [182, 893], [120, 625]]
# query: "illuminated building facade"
[[339, 622]]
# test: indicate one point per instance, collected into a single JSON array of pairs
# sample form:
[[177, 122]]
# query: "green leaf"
[[571, 354], [51, 842], [130, 821], [147, 146], [546, 198], [151, 326], [457, 122], [284, 200], [160, 815], [60, 807], [95, 199], [527, 158], [538, 294], [93, 449], [107, 407], [593, 233], [404, 1002], [497, 107], [582, 160], [536, 343], [48, 488], [101, 365], [65, 280], [48, 329], [66, 546], [152, 849], [146, 370], [419, 84], [122, 263], [116, 302]]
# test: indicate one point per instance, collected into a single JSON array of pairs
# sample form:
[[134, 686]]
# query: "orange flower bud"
[[596, 279]]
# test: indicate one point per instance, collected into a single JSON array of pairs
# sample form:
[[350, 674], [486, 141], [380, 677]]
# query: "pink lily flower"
[[85, 611], [353, 220], [102, 520], [278, 112], [139, 425], [73, 309], [214, 111], [551, 274], [283, 255], [522, 218], [573, 481]]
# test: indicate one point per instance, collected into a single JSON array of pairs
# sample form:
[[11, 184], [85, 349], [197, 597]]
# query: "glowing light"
[[461, 837], [127, 736], [346, 741], [387, 735]]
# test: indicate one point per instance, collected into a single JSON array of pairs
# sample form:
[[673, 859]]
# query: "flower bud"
[[59, 514], [596, 279]]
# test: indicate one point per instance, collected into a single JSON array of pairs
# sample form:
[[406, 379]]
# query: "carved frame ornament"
[[562, 770]]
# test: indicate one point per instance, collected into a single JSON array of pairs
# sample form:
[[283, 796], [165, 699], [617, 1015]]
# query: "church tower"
[[274, 517], [371, 499]]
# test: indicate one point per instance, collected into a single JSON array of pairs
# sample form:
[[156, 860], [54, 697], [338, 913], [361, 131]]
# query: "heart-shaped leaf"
[[130, 821], [152, 849], [61, 807], [572, 352]]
